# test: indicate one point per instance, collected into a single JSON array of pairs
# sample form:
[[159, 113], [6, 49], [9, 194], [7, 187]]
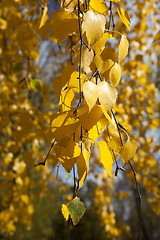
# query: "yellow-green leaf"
[[128, 150], [35, 84], [94, 26], [115, 74], [123, 48], [76, 209], [123, 14], [17, 67], [106, 156]]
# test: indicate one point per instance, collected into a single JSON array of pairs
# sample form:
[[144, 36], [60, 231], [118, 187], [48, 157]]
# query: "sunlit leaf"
[[98, 6], [90, 92], [83, 166], [97, 47], [94, 25], [67, 99], [65, 211], [115, 74], [63, 125], [44, 17], [123, 14], [107, 95], [123, 48], [105, 156], [128, 150]]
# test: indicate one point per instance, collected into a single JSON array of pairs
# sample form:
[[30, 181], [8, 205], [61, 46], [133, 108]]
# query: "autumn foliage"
[[107, 108]]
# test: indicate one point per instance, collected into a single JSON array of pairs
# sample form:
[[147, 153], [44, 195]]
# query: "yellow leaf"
[[94, 132], [34, 55], [44, 17], [115, 74], [107, 95], [3, 24], [106, 59], [123, 14], [98, 6], [63, 24], [67, 99], [67, 152], [63, 125], [89, 119], [106, 156], [73, 82], [97, 47], [128, 150], [59, 82], [87, 57], [94, 26], [25, 198], [157, 37], [123, 48], [90, 92], [83, 166], [65, 211], [115, 143]]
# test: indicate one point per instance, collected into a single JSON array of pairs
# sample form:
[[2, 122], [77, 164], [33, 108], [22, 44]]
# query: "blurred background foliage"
[[31, 198]]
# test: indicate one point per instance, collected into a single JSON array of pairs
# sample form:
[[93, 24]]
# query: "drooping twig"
[[44, 162], [111, 17], [81, 45], [135, 179]]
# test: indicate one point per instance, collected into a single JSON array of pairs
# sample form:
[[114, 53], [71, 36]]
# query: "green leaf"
[[17, 67], [35, 84], [76, 209]]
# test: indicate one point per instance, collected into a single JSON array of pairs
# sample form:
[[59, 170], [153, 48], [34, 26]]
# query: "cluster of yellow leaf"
[[86, 88]]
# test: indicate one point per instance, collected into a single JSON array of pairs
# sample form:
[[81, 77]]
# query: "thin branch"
[[99, 75], [86, 1], [139, 199], [44, 162], [81, 44], [136, 182], [111, 17]]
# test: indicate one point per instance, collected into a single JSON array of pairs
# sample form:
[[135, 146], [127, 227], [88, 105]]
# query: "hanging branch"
[[111, 17], [28, 71], [135, 178], [44, 162], [81, 45]]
